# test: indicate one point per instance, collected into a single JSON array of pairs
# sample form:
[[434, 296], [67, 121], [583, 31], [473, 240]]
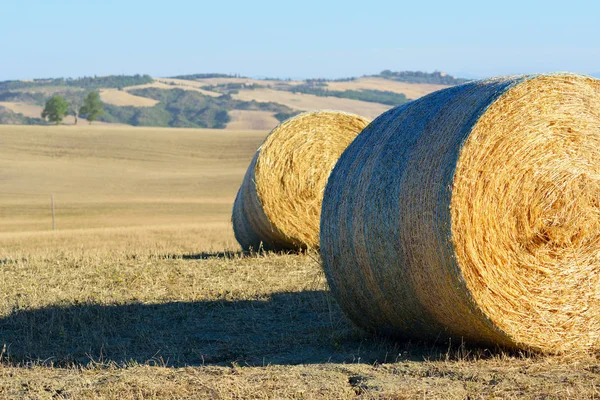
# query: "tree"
[[56, 109], [92, 107], [75, 108]]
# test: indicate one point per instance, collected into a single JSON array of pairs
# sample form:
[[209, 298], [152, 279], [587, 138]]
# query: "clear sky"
[[297, 39]]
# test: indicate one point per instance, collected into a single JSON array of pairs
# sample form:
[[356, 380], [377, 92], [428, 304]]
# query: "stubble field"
[[142, 292]]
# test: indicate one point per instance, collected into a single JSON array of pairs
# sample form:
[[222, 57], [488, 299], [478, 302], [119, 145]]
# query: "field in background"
[[230, 103], [105, 177], [166, 83], [124, 98], [411, 90], [260, 120], [306, 102], [142, 291]]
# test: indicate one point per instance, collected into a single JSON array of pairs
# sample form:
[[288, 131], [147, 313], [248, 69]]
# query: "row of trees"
[[57, 108], [86, 82], [318, 88]]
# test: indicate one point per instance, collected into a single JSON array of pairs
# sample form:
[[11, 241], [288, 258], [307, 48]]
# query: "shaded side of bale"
[[279, 202], [251, 227], [387, 239]]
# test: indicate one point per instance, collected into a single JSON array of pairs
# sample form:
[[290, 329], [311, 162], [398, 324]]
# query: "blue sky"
[[47, 38]]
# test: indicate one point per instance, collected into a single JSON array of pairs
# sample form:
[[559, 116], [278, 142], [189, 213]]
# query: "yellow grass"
[[28, 110], [107, 177], [305, 102], [186, 85], [123, 98], [141, 293], [411, 90], [182, 84], [255, 120]]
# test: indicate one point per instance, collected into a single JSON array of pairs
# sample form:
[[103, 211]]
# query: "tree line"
[[318, 88], [85, 82]]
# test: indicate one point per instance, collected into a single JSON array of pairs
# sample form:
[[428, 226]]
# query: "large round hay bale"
[[474, 213], [278, 206]]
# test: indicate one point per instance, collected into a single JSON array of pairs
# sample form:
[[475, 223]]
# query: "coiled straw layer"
[[278, 205], [474, 213]]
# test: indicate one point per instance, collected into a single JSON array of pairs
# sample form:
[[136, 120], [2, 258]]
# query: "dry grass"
[[411, 90], [165, 83], [296, 101], [119, 176], [132, 310], [161, 318], [306, 102], [123, 98], [244, 120], [28, 110]]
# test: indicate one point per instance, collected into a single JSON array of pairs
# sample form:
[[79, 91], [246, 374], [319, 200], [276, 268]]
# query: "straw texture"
[[474, 213], [278, 205]]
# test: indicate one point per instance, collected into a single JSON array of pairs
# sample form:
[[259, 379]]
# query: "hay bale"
[[278, 205], [474, 213]]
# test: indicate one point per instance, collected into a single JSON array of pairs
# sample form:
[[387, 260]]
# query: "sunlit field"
[[142, 292]]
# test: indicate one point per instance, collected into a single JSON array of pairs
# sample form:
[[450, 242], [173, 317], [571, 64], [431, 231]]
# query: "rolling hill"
[[216, 100]]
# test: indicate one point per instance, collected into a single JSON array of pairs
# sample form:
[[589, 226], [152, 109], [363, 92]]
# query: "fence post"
[[53, 220]]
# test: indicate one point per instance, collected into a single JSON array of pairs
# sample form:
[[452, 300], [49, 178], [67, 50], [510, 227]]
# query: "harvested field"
[[253, 120], [28, 110], [162, 85], [119, 176], [306, 102], [142, 291], [411, 90], [123, 98]]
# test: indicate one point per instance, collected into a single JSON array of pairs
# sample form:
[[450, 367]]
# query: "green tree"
[[92, 107], [56, 109]]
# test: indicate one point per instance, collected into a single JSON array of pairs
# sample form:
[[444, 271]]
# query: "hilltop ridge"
[[215, 100]]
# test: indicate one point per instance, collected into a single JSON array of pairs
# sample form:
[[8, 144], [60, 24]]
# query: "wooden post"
[[53, 220]]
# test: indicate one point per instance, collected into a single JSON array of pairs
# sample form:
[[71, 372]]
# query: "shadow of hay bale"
[[287, 328]]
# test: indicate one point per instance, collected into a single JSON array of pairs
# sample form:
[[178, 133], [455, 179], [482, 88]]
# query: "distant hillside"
[[9, 117], [194, 77], [215, 100], [369, 95], [185, 109], [435, 78], [90, 83]]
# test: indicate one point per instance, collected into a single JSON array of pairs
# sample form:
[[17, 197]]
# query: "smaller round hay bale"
[[474, 213], [278, 205]]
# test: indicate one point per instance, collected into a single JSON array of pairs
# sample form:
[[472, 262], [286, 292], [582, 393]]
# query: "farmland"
[[142, 291], [218, 102]]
